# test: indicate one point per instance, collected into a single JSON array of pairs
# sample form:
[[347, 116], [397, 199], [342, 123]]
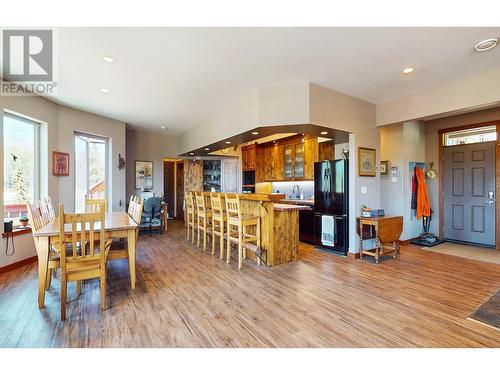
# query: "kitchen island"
[[279, 225]]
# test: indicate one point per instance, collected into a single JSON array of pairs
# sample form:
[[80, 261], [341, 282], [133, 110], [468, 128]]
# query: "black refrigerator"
[[331, 205]]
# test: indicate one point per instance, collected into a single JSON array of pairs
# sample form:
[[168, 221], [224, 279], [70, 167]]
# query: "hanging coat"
[[414, 188], [423, 207]]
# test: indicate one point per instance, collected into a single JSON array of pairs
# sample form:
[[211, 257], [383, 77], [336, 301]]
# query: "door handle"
[[491, 202]]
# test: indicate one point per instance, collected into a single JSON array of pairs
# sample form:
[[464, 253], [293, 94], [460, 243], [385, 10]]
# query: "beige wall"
[[338, 111], [71, 120], [56, 134], [143, 145], [478, 91], [432, 147], [401, 144]]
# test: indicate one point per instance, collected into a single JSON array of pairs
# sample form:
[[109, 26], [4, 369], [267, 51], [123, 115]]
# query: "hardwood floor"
[[187, 298]]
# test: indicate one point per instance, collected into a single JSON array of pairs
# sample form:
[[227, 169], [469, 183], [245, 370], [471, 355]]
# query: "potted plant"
[[23, 220]]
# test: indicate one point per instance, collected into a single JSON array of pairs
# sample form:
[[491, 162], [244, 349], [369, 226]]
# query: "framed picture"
[[143, 174], [60, 163], [384, 168], [367, 159]]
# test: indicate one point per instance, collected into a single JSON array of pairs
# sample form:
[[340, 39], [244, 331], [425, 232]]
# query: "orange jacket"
[[423, 207]]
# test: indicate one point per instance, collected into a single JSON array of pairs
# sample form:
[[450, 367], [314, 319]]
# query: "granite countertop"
[[308, 202], [291, 207]]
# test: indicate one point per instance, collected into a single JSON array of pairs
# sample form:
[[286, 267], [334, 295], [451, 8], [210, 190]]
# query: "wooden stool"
[[237, 231], [218, 222], [204, 220], [191, 216]]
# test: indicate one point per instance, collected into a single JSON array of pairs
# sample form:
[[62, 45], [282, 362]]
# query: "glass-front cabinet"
[[293, 161], [288, 162], [298, 169]]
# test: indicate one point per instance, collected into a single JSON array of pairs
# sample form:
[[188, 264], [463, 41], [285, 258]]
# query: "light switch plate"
[[394, 179], [364, 190]]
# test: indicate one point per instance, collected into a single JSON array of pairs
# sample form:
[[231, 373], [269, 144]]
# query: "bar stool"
[[204, 220], [191, 216], [237, 231], [218, 222]]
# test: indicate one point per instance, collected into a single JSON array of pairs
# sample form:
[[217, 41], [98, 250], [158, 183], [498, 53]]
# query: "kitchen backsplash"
[[286, 187]]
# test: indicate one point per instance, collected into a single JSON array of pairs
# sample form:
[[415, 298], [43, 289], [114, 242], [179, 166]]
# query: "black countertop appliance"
[[331, 205]]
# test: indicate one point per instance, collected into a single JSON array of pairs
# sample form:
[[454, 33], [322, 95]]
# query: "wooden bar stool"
[[218, 222], [204, 216], [191, 216], [237, 231]]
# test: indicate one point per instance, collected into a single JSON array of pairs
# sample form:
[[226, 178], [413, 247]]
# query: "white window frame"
[[36, 152], [106, 157]]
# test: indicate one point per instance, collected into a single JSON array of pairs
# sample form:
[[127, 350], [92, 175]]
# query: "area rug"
[[489, 312], [466, 251]]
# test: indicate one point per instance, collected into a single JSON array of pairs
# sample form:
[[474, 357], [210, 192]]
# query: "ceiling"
[[174, 77]]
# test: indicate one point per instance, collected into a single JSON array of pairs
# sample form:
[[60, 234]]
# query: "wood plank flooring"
[[187, 298]]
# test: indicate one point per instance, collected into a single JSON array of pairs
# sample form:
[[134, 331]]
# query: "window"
[[474, 135], [90, 168], [20, 164]]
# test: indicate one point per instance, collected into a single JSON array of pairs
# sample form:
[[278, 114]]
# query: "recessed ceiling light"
[[163, 127], [255, 133], [108, 59], [105, 91], [407, 70], [227, 142], [486, 44], [191, 153], [207, 148], [324, 133]]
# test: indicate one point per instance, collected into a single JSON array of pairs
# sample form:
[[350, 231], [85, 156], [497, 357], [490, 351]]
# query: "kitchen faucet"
[[298, 191]]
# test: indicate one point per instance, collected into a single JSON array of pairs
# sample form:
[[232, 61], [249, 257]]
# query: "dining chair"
[[119, 250], [219, 219], [50, 208], [90, 260], [93, 205], [37, 222], [151, 214], [238, 226], [204, 220], [190, 216]]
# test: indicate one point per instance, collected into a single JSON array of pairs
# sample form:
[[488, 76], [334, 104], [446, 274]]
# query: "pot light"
[[105, 91], [255, 133], [486, 44], [323, 133], [207, 148], [227, 142], [407, 70], [191, 153], [163, 127], [108, 59]]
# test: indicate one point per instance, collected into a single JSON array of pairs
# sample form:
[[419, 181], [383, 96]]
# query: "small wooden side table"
[[388, 230]]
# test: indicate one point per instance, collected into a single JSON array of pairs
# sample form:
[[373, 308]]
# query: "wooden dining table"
[[117, 225]]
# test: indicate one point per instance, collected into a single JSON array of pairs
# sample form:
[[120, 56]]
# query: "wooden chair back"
[[217, 205], [137, 206], [189, 201], [50, 208], [233, 209], [132, 198], [84, 227], [35, 217], [200, 204], [44, 210], [93, 205]]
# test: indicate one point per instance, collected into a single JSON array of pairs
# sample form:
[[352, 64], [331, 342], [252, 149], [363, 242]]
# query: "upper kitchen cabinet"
[[248, 157], [299, 156]]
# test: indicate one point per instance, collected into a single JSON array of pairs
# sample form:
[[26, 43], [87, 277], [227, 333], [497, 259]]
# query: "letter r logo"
[[28, 55]]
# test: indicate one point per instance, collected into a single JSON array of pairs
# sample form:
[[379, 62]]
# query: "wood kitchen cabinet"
[[248, 157], [291, 158], [299, 158]]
